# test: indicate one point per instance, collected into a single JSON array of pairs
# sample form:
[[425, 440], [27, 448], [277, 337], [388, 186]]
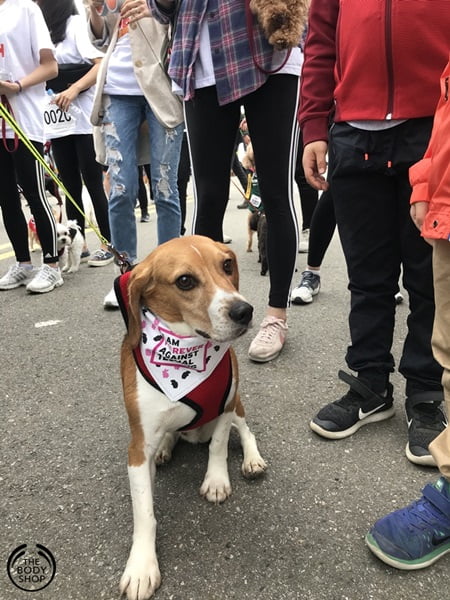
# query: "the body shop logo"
[[31, 568]]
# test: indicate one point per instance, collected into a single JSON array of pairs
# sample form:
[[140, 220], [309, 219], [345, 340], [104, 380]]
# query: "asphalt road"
[[298, 533]]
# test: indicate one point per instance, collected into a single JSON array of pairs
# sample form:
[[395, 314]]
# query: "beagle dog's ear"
[[140, 285]]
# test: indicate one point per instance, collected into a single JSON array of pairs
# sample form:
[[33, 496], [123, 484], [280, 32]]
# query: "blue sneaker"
[[416, 536]]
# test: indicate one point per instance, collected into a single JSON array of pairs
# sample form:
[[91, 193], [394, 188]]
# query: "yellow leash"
[[120, 258]]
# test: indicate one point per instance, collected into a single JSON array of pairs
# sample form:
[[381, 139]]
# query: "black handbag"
[[67, 75]]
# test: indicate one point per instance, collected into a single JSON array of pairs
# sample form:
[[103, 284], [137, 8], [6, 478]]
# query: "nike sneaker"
[[358, 407], [426, 421], [416, 536], [308, 287]]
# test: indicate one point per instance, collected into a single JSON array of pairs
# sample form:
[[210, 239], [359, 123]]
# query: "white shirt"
[[77, 48], [23, 34], [120, 78]]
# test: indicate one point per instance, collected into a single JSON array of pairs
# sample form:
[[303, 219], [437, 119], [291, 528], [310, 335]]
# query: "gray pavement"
[[298, 533]]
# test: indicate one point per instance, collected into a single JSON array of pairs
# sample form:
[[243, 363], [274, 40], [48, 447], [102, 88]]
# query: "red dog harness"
[[207, 399]]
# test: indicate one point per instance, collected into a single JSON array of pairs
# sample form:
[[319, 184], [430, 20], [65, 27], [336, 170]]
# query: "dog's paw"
[[253, 467], [141, 578], [163, 456], [164, 452], [215, 489], [65, 269], [72, 270]]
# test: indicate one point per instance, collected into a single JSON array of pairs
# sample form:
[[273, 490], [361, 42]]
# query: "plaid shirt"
[[234, 68]]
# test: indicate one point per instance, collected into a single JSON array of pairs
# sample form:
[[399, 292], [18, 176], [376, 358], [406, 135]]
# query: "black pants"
[[75, 159], [321, 229], [211, 132], [308, 195], [142, 190], [371, 192], [21, 167], [184, 174]]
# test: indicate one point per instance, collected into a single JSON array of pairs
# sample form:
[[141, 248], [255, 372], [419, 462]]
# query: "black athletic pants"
[[211, 132], [371, 193]]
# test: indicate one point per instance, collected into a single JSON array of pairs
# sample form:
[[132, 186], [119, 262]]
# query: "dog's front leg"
[[74, 260], [216, 485], [253, 464], [63, 262], [141, 577]]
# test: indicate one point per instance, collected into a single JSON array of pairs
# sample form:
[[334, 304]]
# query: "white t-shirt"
[[120, 78], [77, 48], [23, 34]]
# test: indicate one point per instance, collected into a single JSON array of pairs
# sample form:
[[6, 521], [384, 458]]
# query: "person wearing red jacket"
[[372, 70], [416, 536]]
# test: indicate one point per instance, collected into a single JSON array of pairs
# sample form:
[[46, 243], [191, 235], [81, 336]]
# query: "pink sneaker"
[[269, 341]]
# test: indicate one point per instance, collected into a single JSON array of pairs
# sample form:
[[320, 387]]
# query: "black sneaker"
[[426, 421], [358, 407]]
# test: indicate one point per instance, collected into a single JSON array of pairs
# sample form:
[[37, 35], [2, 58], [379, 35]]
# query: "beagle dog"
[[182, 309]]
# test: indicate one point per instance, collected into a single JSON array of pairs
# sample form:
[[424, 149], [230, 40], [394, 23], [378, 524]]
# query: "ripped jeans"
[[121, 127]]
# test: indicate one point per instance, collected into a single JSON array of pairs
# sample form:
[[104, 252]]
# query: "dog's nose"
[[241, 312]]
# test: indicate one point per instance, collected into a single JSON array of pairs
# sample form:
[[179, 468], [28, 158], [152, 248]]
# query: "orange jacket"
[[430, 177]]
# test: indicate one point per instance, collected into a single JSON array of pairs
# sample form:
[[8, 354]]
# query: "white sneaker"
[[110, 300], [45, 280], [304, 242], [308, 287], [16, 276]]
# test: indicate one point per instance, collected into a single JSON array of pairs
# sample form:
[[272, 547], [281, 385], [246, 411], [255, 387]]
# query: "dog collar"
[[177, 363]]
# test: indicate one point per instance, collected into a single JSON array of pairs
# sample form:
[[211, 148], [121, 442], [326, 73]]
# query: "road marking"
[[47, 323]]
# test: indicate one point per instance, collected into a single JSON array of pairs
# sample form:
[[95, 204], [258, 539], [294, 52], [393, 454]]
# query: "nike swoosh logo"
[[363, 415], [437, 540]]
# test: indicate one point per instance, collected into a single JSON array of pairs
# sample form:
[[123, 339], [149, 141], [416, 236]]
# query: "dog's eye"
[[186, 282], [228, 266]]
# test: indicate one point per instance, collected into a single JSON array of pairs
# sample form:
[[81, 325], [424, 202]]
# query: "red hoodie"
[[372, 60]]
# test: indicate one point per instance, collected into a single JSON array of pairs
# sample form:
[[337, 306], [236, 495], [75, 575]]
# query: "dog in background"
[[257, 221], [33, 238], [179, 373], [70, 245]]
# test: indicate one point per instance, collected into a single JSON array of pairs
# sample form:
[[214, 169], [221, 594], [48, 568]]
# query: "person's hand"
[[9, 88], [315, 164], [64, 99], [418, 212], [135, 10]]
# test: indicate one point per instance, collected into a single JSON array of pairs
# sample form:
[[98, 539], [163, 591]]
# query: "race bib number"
[[255, 200], [57, 121]]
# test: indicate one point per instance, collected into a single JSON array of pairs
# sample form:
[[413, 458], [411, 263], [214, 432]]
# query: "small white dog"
[[70, 246]]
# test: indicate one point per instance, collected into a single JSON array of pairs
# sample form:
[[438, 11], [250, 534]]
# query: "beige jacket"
[[146, 38]]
